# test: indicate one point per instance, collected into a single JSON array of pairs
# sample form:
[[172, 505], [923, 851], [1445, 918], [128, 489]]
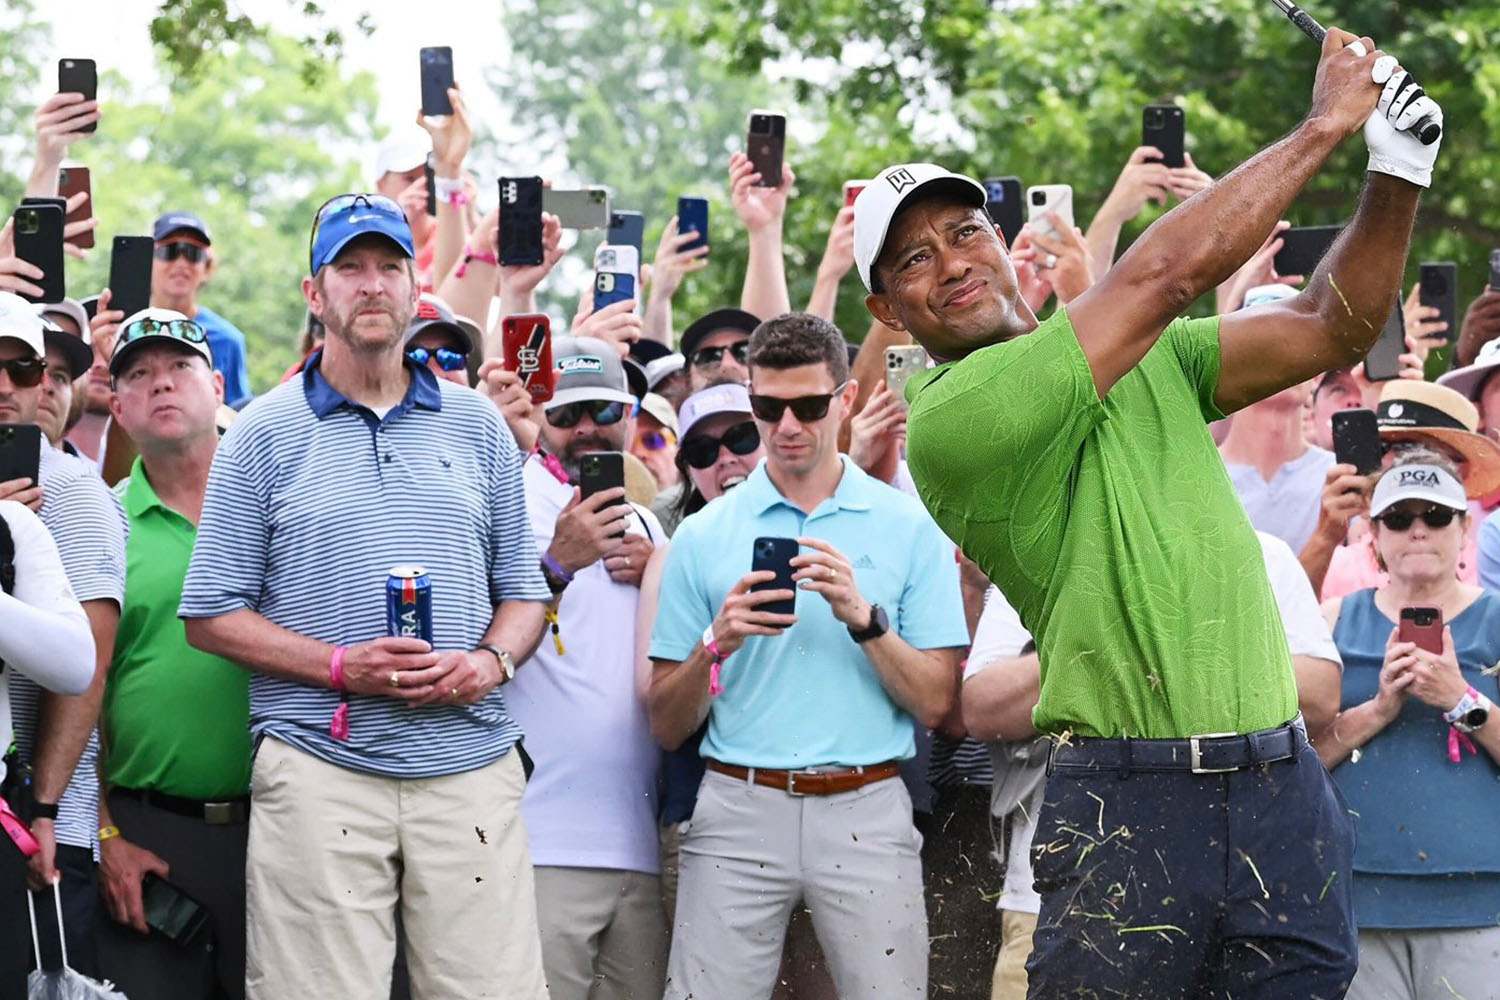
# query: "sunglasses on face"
[[602, 412], [701, 451], [655, 440], [713, 357], [807, 409], [190, 252], [1435, 518], [448, 360], [334, 207], [181, 329], [25, 373]]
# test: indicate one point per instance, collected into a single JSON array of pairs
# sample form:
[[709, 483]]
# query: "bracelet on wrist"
[[470, 254], [557, 576], [338, 726], [450, 189], [108, 833], [711, 645]]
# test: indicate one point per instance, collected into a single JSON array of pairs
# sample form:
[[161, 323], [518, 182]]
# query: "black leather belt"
[[1210, 753], [216, 813]]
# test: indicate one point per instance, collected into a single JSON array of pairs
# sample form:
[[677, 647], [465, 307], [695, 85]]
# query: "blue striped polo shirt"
[[312, 499]]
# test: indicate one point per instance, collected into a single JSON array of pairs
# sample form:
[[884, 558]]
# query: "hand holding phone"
[[599, 471], [437, 78], [1356, 440], [774, 555], [1423, 626], [1164, 126], [520, 221], [1383, 360], [79, 76], [527, 343], [692, 217], [1042, 199], [901, 363], [20, 457], [171, 912], [765, 145], [37, 235]]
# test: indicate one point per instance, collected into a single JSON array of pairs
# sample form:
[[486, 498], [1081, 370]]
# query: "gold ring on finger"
[[395, 678]]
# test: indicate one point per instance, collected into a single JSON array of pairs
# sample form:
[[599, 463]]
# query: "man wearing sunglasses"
[[55, 733], [182, 264], [437, 339], [808, 713], [387, 771], [715, 346]]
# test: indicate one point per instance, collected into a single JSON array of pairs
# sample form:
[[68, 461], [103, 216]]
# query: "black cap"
[[635, 376], [175, 222], [646, 351], [719, 319]]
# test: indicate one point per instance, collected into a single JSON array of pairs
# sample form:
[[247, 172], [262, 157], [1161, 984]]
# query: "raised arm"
[[763, 211]]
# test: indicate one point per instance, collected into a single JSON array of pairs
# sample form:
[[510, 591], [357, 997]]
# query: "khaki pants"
[[604, 935], [1016, 929], [1427, 965], [333, 852]]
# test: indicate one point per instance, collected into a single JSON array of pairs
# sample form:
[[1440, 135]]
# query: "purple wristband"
[[556, 568]]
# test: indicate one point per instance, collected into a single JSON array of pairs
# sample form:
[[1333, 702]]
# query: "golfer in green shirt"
[[1190, 844]]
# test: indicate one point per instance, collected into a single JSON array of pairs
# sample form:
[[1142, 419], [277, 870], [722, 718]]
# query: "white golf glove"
[[1402, 102]]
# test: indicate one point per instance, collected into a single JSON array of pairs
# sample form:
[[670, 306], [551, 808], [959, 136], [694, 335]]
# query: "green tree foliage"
[[21, 37]]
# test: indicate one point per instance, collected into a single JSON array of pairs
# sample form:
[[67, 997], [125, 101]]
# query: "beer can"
[[408, 603]]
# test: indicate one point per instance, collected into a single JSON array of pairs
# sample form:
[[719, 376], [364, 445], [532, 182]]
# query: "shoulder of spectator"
[[1331, 609]]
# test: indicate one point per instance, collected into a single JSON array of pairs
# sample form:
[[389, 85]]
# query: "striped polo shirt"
[[312, 499], [88, 525]]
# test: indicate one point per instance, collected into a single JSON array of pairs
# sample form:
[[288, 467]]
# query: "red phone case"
[[527, 341], [851, 191], [1428, 636]]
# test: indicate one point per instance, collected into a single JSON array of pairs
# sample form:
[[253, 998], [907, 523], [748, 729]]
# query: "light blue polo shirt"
[[810, 695], [312, 499]]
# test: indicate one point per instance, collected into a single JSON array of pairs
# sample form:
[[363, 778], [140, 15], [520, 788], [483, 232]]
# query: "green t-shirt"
[[176, 719], [1112, 529]]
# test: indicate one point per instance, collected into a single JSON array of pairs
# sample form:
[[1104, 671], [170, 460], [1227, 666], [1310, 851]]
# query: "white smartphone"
[[1044, 198], [618, 258]]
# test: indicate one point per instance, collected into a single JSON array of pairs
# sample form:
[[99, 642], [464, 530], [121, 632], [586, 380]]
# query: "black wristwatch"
[[880, 624], [43, 810]]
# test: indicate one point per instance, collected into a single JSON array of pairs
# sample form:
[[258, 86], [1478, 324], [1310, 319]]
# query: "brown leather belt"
[[810, 782]]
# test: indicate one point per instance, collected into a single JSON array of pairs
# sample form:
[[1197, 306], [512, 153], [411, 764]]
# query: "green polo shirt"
[[1112, 528], [177, 720]]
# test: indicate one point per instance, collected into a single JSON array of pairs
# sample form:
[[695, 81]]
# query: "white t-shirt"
[[1307, 632], [592, 801], [44, 633]]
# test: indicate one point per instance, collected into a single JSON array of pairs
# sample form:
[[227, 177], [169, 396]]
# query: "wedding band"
[[627, 562], [395, 678], [1051, 261], [453, 693], [833, 574]]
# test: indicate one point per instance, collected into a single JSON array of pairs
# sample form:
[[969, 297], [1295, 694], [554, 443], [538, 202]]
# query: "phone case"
[[1439, 288], [1044, 198], [527, 343], [38, 240], [1423, 626], [692, 216], [765, 144], [582, 208], [901, 363], [430, 178], [599, 471], [1383, 362], [1004, 201], [70, 181], [1302, 247], [775, 554], [627, 229], [852, 190], [437, 77], [1356, 440], [611, 287], [20, 452], [520, 221], [621, 258], [79, 76], [171, 912], [130, 273], [1163, 126]]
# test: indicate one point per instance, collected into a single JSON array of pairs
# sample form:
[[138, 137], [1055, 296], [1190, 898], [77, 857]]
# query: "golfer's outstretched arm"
[[1197, 245]]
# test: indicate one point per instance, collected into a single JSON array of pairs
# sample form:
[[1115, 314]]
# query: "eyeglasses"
[[181, 329], [25, 373], [807, 409], [1434, 517], [347, 203], [190, 252], [602, 411], [655, 440], [448, 360], [701, 451], [713, 357]]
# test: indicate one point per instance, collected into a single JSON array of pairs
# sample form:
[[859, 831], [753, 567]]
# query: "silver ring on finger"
[[1051, 261]]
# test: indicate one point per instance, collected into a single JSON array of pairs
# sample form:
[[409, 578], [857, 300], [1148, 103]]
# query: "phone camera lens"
[[1038, 198], [28, 223]]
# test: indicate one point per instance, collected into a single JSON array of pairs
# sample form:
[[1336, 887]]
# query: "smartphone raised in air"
[[765, 144], [1164, 126], [627, 229], [79, 76], [1302, 247], [437, 77], [692, 217], [1383, 362], [130, 273], [526, 340], [520, 221], [578, 208], [38, 238], [901, 363], [1005, 203], [72, 181]]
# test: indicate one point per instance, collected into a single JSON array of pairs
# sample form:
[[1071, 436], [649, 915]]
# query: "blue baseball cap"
[[350, 216], [173, 222]]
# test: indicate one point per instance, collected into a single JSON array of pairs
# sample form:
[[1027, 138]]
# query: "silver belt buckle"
[[1195, 754], [218, 813], [791, 785]]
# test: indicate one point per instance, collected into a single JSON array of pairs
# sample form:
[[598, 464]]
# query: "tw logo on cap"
[[901, 179]]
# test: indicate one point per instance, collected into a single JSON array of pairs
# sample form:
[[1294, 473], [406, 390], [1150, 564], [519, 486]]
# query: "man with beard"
[[590, 810], [387, 771]]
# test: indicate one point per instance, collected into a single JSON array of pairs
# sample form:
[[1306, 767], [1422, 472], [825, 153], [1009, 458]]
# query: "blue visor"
[[349, 216]]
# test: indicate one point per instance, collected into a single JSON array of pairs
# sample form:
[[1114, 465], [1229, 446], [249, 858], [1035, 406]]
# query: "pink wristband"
[[487, 257], [338, 727], [709, 643], [336, 668]]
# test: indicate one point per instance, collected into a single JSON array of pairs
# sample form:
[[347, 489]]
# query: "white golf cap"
[[19, 321], [404, 149], [1417, 482], [883, 197]]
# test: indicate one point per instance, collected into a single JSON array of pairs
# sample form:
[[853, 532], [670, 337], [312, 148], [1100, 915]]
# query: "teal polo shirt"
[[810, 696], [176, 719]]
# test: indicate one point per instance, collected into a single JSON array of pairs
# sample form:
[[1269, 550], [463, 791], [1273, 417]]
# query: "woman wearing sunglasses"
[[719, 448], [1414, 749]]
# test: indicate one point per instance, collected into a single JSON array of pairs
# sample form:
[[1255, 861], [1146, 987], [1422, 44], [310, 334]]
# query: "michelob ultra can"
[[408, 603]]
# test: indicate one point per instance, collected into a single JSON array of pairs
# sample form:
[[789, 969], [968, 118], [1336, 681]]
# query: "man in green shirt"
[[1071, 461], [175, 719]]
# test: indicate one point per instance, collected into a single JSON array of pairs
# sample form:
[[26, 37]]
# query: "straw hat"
[[1411, 410]]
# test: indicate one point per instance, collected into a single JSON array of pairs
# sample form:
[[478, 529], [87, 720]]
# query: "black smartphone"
[[1383, 362], [1303, 246], [765, 144], [1356, 440], [692, 216], [627, 229], [1438, 287], [1164, 126], [520, 221], [437, 77], [38, 236], [599, 471], [431, 178], [20, 452], [130, 273], [1004, 200], [775, 555], [71, 181], [1495, 270], [171, 912], [79, 76]]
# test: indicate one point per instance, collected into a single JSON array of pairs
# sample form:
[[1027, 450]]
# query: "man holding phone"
[[1070, 460], [808, 713]]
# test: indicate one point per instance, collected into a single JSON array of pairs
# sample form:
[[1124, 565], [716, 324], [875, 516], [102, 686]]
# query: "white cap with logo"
[[19, 321], [1417, 482], [883, 197]]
